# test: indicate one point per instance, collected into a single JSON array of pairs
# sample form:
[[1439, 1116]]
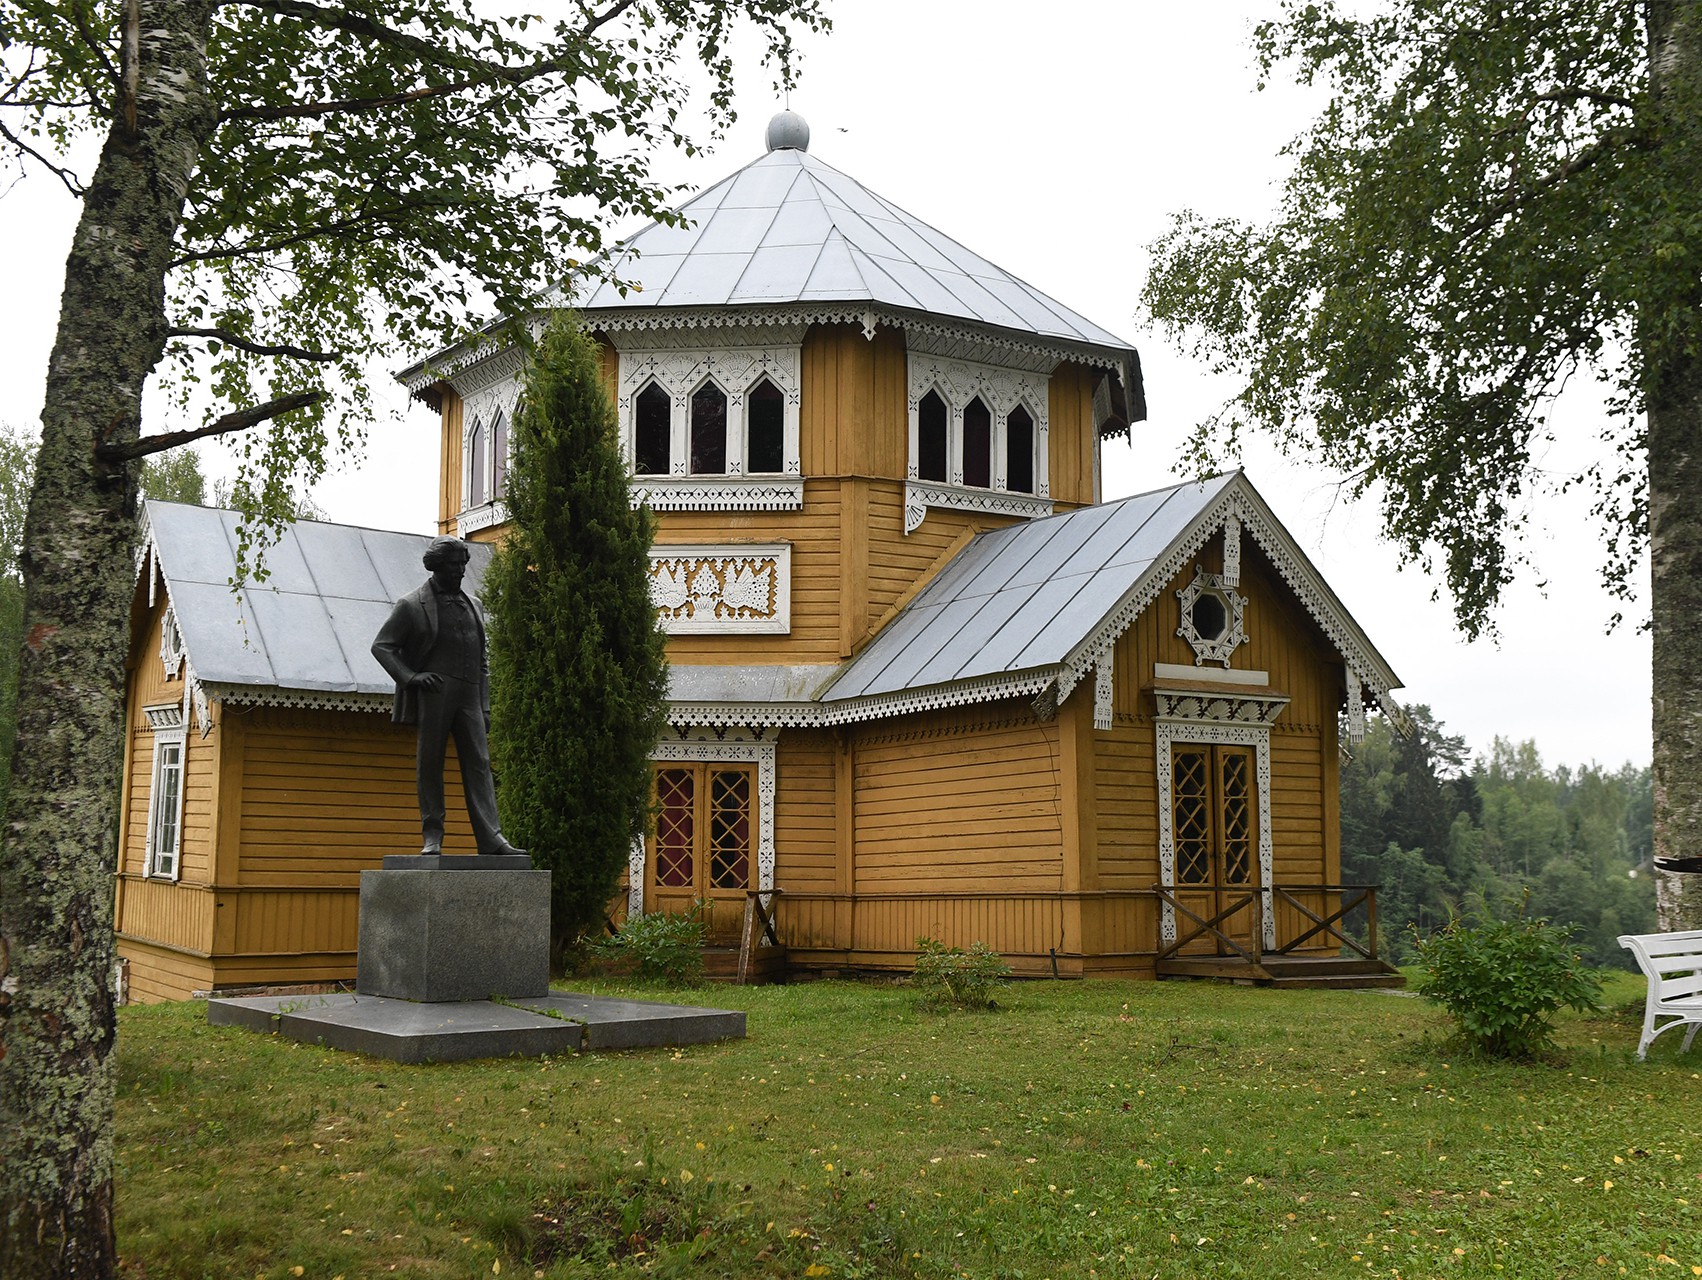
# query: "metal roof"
[[310, 625], [788, 228]]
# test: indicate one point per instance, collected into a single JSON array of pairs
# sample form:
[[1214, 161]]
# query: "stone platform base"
[[406, 1031], [454, 935]]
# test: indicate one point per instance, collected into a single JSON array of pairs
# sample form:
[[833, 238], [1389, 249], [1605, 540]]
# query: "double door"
[[703, 845], [1215, 836]]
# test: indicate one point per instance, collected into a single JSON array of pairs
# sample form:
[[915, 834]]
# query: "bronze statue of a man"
[[433, 646]]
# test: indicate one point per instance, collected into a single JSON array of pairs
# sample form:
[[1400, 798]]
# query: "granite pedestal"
[[454, 934]]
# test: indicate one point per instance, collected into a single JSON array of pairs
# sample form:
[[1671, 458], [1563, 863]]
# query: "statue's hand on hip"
[[427, 680]]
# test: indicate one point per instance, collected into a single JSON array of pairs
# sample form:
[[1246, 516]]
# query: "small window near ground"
[[977, 444], [931, 438], [653, 433], [765, 428], [709, 431]]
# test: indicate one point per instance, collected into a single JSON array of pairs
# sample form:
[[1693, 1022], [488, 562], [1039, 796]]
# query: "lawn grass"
[[1088, 1129]]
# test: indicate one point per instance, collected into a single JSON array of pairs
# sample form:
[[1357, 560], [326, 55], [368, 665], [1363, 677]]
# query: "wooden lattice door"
[[704, 843], [1215, 835]]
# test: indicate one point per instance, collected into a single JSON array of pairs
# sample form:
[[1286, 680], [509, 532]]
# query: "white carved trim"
[[718, 493], [1355, 709], [1232, 551], [164, 717], [712, 747], [919, 495], [1241, 735], [708, 333], [1227, 707], [722, 589], [1002, 389], [1207, 675], [1102, 695], [483, 517], [1222, 647], [171, 644], [680, 370], [322, 699]]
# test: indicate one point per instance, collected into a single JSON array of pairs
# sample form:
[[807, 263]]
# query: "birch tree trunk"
[[57, 858], [1674, 372]]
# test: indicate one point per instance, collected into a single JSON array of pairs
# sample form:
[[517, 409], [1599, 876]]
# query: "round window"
[[1209, 617]]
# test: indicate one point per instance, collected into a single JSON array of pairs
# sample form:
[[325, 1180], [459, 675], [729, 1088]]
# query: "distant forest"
[[1444, 834]]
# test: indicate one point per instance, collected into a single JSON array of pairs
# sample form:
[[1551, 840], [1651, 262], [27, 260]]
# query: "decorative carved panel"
[[722, 589]]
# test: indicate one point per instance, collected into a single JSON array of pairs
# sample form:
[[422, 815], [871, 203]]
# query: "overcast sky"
[[1057, 141]]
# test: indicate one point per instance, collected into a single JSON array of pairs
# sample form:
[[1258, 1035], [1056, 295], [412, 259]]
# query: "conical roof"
[[789, 228]]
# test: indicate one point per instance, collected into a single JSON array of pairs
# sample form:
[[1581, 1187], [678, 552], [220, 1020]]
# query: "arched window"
[[765, 429], [709, 431], [499, 456], [651, 447], [478, 491], [931, 438], [977, 444], [1019, 451]]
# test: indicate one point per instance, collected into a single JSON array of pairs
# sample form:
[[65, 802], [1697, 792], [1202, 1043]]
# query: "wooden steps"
[[767, 964]]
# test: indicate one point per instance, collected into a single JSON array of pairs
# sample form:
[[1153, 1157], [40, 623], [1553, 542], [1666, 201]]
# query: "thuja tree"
[[579, 673], [1499, 195], [283, 190]]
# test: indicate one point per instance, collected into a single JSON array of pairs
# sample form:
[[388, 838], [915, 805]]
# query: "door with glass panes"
[[704, 843], [1215, 835]]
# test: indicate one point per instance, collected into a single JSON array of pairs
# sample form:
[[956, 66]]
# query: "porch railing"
[[1325, 928]]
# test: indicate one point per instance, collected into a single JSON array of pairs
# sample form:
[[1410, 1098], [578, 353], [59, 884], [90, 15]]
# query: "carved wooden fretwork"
[[1002, 388], [1355, 709], [1232, 550], [723, 589], [482, 517], [718, 746], [1228, 707], [171, 644], [1218, 642], [1257, 736], [681, 370], [1102, 695]]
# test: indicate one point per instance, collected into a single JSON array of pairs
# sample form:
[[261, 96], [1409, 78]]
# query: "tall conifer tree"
[[579, 672]]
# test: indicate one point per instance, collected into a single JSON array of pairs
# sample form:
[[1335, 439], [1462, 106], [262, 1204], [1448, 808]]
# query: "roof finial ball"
[[788, 132]]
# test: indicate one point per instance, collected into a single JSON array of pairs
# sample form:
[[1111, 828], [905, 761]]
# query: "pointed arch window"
[[499, 456], [654, 428], [1019, 451], [478, 491], [931, 437], [765, 429], [709, 431], [977, 444]]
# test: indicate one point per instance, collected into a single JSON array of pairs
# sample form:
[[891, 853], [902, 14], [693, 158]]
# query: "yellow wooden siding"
[[805, 829], [1069, 429], [327, 793], [449, 461], [160, 973], [963, 802]]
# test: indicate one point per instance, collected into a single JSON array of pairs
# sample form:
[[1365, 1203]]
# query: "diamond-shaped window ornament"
[[1211, 618]]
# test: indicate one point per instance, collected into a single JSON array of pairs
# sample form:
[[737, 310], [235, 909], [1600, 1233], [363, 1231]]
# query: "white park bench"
[[1673, 964]]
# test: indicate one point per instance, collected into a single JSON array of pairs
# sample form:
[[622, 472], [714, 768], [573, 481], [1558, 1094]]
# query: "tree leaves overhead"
[[1492, 201], [384, 174]]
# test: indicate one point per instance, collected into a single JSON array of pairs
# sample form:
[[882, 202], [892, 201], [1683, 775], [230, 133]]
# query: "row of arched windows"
[[758, 450], [487, 461], [984, 442]]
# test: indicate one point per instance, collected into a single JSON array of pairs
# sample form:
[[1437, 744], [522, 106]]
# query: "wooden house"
[[262, 772], [924, 681]]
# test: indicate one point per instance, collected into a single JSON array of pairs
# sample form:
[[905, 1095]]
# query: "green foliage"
[[578, 665], [953, 978], [661, 947], [174, 476], [1504, 980], [1434, 833], [17, 469], [1499, 194]]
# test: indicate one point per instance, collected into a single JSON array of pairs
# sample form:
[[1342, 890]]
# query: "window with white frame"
[[487, 460], [978, 438], [165, 793], [712, 428]]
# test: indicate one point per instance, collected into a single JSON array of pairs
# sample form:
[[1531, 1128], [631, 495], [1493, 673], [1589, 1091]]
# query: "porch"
[[1307, 942]]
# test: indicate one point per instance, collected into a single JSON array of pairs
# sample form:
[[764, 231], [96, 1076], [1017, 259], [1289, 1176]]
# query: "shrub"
[[952, 978], [1503, 980], [661, 947]]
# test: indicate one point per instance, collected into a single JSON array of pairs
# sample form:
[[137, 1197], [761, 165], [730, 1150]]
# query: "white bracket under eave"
[[1355, 709], [1232, 550], [1102, 693]]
